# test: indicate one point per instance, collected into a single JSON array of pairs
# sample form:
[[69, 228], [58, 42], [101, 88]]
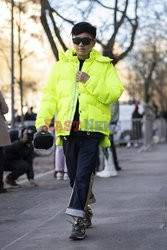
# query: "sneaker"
[[78, 230], [3, 190], [106, 174], [128, 145], [92, 198], [136, 145], [88, 216], [59, 176], [9, 180], [65, 177]]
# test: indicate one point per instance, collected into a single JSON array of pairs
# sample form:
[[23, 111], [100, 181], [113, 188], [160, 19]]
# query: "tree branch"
[[124, 54], [27, 55], [57, 32], [117, 25], [45, 7], [115, 12], [134, 26], [63, 18]]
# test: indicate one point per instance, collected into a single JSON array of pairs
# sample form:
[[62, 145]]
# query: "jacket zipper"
[[74, 101]]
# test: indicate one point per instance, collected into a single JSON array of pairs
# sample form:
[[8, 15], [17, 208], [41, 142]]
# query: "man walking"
[[80, 89]]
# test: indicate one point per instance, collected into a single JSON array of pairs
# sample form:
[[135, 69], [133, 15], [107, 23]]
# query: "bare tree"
[[148, 58], [117, 28], [47, 10], [159, 83], [22, 54], [134, 84], [21, 51], [149, 64]]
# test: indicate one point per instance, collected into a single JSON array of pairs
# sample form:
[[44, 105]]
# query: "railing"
[[141, 132], [129, 132]]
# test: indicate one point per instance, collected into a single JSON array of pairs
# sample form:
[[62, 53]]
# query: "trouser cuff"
[[75, 212]]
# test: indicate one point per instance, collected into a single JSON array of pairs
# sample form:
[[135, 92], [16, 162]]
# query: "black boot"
[[3, 190], [118, 168]]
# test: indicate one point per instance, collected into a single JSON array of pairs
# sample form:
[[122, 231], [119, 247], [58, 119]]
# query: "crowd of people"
[[28, 116]]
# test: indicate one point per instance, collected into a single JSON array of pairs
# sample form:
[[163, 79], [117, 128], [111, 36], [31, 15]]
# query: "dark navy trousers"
[[81, 157]]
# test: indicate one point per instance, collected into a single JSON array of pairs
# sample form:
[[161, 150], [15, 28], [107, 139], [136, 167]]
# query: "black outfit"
[[30, 116], [114, 152], [80, 149], [18, 158], [136, 125]]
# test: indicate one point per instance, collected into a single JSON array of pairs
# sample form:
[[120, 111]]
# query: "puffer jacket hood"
[[69, 55]]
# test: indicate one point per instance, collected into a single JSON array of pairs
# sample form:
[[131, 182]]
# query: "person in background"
[[136, 127], [17, 117], [18, 157], [60, 164], [109, 170], [4, 138], [114, 123], [30, 115]]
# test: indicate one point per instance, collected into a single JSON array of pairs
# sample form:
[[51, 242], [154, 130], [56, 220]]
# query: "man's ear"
[[94, 42]]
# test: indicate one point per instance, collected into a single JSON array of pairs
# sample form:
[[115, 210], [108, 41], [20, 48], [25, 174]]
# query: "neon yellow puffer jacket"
[[95, 96]]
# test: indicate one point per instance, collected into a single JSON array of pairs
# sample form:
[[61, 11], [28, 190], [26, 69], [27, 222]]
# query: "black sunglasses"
[[84, 40]]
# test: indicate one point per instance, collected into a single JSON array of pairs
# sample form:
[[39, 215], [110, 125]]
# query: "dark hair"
[[83, 27]]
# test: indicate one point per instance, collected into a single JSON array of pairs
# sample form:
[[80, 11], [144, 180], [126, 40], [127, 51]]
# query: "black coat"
[[136, 125]]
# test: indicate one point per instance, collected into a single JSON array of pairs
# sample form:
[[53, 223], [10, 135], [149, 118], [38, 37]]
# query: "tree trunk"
[[147, 83], [20, 67]]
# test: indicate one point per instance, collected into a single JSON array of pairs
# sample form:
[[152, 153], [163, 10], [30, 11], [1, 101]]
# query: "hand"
[[24, 138], [33, 183], [82, 77], [42, 128]]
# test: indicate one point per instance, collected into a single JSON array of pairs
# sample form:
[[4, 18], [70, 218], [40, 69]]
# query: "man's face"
[[83, 44]]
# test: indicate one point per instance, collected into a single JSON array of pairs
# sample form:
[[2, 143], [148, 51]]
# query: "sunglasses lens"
[[76, 41], [85, 40]]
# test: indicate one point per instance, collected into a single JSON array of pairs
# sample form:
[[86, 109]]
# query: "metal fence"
[[142, 132], [130, 132]]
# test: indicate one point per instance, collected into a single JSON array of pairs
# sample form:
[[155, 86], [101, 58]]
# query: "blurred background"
[[131, 32]]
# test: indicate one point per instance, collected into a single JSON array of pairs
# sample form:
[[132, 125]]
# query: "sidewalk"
[[130, 213]]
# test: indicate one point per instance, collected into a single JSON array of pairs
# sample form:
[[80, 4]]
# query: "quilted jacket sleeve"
[[107, 90]]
